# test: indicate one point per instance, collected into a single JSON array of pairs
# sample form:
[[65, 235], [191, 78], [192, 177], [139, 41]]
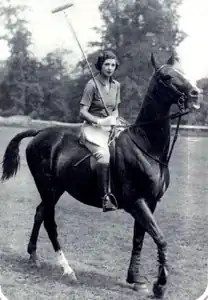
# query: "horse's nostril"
[[193, 93]]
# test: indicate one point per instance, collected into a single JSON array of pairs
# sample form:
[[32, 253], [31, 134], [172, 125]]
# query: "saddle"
[[114, 133]]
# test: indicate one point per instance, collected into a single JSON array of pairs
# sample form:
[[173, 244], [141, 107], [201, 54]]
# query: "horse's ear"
[[171, 59], [154, 64]]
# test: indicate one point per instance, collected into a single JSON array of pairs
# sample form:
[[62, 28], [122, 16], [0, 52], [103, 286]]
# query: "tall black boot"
[[108, 200]]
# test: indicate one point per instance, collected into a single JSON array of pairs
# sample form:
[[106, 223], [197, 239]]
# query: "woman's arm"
[[85, 103], [107, 121], [85, 115]]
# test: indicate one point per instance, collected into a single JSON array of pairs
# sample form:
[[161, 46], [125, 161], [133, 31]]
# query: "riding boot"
[[107, 198]]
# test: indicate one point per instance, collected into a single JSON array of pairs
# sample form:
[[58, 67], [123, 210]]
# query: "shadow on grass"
[[48, 272]]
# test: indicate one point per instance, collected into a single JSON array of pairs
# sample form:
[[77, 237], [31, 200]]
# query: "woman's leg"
[[102, 156]]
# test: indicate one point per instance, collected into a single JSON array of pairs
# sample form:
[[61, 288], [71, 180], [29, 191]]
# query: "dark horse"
[[140, 174]]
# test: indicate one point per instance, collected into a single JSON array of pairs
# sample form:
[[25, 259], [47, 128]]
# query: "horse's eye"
[[167, 77]]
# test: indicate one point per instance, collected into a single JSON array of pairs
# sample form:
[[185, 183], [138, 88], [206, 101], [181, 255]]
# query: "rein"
[[174, 140], [173, 116]]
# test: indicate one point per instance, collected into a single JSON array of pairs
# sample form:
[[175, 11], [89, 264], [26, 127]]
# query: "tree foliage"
[[200, 117], [29, 86]]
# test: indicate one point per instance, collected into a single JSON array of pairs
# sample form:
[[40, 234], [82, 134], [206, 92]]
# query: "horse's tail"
[[11, 158]]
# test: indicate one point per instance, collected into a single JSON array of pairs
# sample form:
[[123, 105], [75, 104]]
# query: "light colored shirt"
[[110, 97]]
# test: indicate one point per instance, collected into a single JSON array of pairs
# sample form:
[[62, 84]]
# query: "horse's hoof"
[[34, 261], [159, 290], [35, 264], [71, 276], [141, 287]]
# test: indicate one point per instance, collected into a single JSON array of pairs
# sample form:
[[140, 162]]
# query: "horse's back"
[[48, 136], [53, 141]]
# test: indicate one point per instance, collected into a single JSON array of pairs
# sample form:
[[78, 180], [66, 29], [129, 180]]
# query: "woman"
[[97, 124]]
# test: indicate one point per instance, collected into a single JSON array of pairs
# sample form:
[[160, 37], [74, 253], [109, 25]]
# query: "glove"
[[108, 121]]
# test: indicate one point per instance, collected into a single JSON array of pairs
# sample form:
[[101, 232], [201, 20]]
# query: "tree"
[[20, 80], [31, 87], [54, 81], [200, 117]]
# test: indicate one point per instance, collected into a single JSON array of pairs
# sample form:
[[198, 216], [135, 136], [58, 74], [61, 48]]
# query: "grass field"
[[97, 245]]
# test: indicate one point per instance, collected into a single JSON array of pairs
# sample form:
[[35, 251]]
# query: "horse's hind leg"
[[45, 212], [32, 246], [50, 193], [51, 228]]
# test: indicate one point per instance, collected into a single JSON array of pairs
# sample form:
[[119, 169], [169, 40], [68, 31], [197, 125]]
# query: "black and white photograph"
[[103, 149]]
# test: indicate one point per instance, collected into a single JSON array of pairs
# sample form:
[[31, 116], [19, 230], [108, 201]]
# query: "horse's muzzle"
[[196, 97]]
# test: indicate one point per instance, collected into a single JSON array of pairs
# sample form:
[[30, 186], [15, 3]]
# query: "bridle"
[[170, 89]]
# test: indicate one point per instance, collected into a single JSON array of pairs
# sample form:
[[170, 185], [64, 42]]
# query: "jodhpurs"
[[101, 154]]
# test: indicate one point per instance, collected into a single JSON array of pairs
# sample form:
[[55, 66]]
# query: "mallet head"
[[61, 8]]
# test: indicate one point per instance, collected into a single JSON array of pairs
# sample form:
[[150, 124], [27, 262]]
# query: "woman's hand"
[[108, 121]]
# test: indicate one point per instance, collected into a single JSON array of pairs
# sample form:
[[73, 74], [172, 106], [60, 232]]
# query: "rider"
[[97, 123]]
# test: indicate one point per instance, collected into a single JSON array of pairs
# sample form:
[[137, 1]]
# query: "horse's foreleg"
[[134, 275], [143, 215]]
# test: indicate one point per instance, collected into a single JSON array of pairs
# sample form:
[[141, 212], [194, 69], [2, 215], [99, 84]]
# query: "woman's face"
[[108, 67]]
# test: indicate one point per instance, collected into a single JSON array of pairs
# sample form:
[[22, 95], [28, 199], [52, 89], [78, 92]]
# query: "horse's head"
[[173, 83]]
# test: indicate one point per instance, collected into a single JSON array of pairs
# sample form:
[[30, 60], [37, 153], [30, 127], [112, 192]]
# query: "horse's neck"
[[154, 122]]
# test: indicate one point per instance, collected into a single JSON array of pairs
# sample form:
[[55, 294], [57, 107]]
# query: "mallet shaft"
[[61, 8], [85, 57]]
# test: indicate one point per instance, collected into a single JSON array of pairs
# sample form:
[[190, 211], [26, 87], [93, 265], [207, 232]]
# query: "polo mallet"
[[63, 8]]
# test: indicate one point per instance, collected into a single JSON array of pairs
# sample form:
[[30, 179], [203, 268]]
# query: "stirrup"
[[109, 202]]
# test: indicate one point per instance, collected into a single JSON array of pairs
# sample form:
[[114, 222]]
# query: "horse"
[[140, 175]]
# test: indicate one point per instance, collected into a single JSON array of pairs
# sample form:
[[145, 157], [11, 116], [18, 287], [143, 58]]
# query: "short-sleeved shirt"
[[91, 96]]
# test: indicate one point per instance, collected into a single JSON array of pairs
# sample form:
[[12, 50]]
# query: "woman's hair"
[[106, 54]]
